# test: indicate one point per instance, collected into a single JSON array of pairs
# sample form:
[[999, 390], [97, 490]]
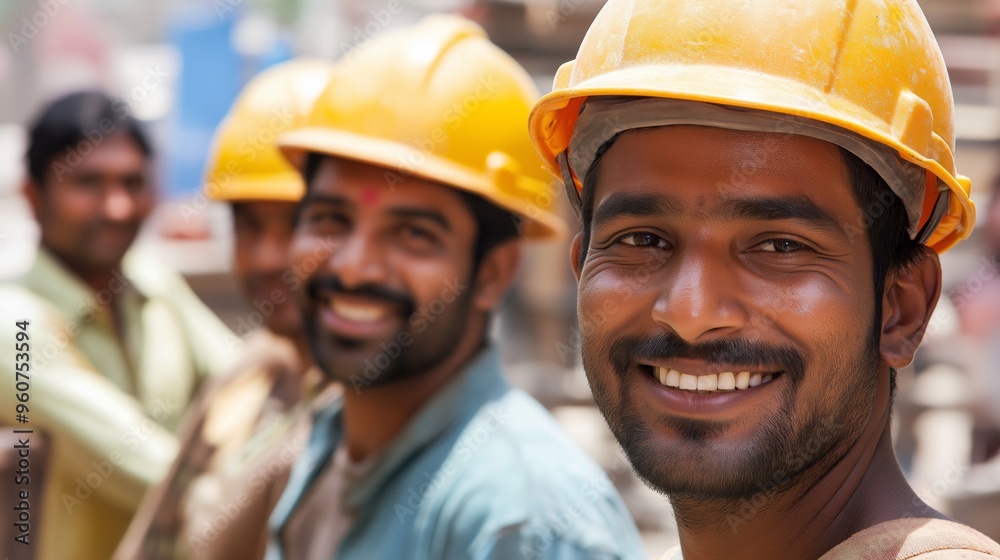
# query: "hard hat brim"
[[277, 187]]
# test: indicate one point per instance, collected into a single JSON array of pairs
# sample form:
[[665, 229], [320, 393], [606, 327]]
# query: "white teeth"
[[743, 380], [708, 382], [689, 382], [358, 313], [673, 378], [727, 381]]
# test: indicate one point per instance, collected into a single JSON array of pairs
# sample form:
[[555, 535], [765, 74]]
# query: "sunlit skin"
[[394, 256], [263, 232], [736, 243], [90, 213]]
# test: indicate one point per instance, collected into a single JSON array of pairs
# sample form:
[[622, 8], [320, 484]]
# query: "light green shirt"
[[108, 408]]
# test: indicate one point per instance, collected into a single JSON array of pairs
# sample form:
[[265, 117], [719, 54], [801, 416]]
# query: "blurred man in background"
[[421, 182], [118, 344], [764, 189], [245, 429]]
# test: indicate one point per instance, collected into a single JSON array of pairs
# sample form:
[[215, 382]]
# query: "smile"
[[726, 381], [359, 312]]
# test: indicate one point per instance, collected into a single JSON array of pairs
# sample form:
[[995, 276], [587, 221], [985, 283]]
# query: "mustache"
[[741, 353], [334, 284], [126, 226]]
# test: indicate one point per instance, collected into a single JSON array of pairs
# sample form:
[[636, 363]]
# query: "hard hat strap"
[[567, 177], [940, 209]]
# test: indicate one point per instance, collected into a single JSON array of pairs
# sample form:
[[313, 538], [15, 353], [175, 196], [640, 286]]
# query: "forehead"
[[374, 189], [705, 165]]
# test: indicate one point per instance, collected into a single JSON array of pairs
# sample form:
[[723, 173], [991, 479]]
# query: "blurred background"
[[178, 64]]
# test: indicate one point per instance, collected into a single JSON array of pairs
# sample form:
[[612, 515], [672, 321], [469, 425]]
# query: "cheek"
[[808, 307], [243, 250], [435, 281], [307, 255], [610, 300]]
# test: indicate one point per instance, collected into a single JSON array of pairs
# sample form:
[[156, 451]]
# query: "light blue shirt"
[[481, 471]]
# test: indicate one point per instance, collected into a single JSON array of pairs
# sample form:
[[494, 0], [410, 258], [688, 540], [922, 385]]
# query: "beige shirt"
[[108, 408], [907, 539], [317, 527]]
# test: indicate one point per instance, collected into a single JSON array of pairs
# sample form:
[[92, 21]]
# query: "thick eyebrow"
[[431, 215], [797, 207], [634, 205]]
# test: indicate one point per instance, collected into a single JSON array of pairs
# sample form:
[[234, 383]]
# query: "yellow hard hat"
[[441, 102], [870, 69], [245, 163]]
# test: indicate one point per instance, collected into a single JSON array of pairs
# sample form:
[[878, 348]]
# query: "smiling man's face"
[[741, 349], [387, 273]]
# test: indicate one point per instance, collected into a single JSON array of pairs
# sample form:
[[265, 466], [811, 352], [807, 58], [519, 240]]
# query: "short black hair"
[[495, 224], [76, 122], [883, 212]]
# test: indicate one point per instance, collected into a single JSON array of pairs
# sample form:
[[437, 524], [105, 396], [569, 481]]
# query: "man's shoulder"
[[517, 434], [513, 475], [20, 303], [918, 539]]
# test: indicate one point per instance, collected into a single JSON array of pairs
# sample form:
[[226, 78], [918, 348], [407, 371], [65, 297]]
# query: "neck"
[[374, 416], [824, 506], [93, 278]]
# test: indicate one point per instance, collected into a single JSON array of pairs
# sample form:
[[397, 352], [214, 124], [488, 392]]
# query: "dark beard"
[[387, 361], [775, 456]]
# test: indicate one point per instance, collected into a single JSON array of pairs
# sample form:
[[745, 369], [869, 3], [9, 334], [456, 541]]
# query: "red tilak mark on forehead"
[[369, 196]]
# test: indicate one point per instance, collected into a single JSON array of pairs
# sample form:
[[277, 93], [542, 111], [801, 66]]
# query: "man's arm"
[[97, 427]]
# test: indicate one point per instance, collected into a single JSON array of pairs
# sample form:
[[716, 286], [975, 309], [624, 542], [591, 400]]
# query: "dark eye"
[[782, 246], [414, 232], [643, 239], [321, 216]]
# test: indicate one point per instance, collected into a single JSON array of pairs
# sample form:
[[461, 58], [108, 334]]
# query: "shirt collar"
[[52, 281]]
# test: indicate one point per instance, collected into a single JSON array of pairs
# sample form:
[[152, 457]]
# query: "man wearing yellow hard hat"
[[764, 188], [245, 430], [421, 173]]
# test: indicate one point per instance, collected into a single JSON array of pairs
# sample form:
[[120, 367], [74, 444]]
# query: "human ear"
[[909, 299]]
